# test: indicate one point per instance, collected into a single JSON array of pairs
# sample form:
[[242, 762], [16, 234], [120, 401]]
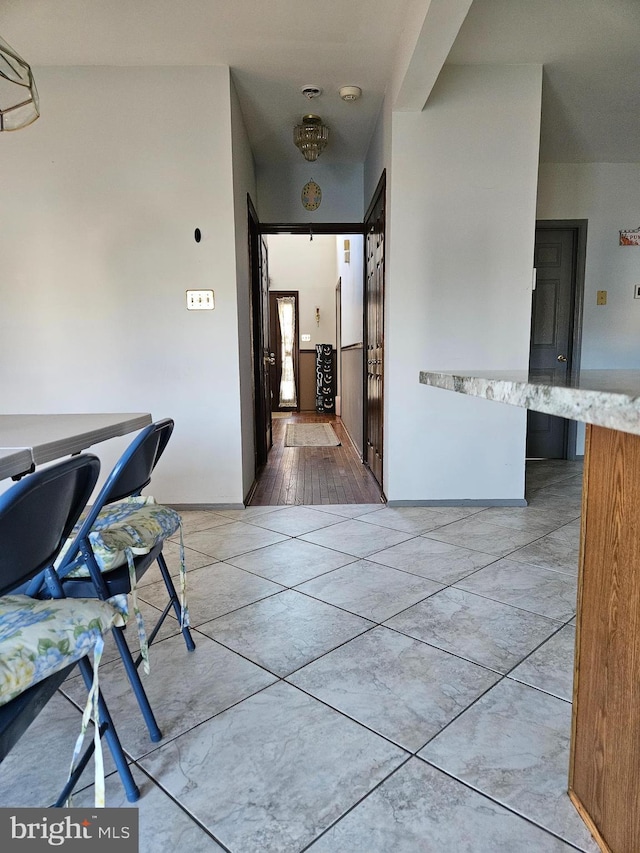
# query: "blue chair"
[[41, 641], [120, 537]]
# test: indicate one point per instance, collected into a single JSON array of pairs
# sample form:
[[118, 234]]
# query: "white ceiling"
[[590, 50]]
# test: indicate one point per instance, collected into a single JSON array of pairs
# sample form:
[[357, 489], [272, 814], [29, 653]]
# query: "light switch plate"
[[305, 337], [636, 291], [200, 300]]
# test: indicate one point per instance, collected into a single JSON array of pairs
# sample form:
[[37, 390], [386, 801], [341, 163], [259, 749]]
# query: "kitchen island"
[[604, 768]]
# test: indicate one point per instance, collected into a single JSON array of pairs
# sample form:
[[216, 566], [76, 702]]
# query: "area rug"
[[310, 435]]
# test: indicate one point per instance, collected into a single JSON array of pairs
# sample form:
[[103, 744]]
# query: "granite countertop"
[[608, 398]]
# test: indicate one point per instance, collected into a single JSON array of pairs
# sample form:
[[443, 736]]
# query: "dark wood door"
[[267, 354], [276, 352], [259, 270], [551, 333], [374, 333]]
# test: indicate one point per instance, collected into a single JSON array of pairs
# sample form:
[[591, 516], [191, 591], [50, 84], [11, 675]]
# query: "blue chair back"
[[134, 468], [130, 475], [38, 514]]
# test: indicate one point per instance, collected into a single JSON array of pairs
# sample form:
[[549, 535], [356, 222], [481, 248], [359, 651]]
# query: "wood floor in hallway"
[[314, 475]]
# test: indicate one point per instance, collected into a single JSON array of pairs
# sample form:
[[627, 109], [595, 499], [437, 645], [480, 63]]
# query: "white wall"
[[280, 190], [244, 183], [100, 199], [607, 194], [378, 155], [308, 266], [350, 360], [351, 276], [462, 203]]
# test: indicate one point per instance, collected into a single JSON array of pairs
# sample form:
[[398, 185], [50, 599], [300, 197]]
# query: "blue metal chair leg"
[[134, 677], [131, 789], [186, 633]]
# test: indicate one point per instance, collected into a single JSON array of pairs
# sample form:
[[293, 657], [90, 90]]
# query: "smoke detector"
[[350, 93], [311, 92]]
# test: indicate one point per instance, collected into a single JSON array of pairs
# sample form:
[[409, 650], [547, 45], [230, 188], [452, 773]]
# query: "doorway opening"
[[556, 328], [307, 291]]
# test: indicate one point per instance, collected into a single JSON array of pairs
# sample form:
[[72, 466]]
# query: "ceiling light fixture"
[[350, 93], [311, 137], [18, 94]]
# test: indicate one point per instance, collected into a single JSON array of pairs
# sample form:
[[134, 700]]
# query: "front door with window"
[[284, 350]]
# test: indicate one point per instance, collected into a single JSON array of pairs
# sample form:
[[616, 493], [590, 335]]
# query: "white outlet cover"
[[305, 337]]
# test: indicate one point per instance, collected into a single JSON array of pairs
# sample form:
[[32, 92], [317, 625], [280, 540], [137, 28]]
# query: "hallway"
[[313, 475]]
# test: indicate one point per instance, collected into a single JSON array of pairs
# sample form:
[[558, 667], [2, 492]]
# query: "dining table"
[[14, 462], [28, 440]]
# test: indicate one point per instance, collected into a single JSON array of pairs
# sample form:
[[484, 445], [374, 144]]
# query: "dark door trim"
[[261, 416], [369, 451], [579, 226], [311, 228]]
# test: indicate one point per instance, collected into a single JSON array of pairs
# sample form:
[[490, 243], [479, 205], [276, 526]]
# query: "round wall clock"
[[311, 196]]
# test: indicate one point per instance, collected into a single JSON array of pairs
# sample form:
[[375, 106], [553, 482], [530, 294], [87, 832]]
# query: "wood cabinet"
[[604, 773]]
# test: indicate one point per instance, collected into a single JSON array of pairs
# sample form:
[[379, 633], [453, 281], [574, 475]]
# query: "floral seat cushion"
[[121, 531], [132, 526], [39, 638]]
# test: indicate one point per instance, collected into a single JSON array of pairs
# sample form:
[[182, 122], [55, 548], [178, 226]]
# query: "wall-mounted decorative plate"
[[311, 196]]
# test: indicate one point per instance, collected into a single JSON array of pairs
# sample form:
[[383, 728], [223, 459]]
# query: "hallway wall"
[[280, 189], [351, 274], [462, 202]]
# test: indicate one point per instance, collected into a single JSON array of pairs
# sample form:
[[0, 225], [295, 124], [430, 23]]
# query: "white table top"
[[48, 437], [14, 462], [608, 398]]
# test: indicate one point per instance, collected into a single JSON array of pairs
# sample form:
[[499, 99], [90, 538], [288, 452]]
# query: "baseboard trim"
[[463, 502]]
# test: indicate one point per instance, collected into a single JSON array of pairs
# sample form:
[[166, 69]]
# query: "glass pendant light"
[[18, 94]]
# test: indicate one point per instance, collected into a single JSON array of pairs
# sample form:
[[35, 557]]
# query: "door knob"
[[562, 358], [270, 359]]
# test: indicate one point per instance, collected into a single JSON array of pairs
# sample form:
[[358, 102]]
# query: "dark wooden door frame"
[[311, 228], [261, 408], [266, 228], [275, 348], [378, 196], [579, 227]]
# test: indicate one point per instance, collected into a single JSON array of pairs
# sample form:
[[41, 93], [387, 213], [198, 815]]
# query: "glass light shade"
[[311, 137], [19, 104]]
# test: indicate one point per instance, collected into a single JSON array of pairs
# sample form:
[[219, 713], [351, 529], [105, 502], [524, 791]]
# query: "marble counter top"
[[608, 398]]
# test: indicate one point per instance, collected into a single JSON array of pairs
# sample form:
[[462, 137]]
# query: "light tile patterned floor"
[[365, 680]]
